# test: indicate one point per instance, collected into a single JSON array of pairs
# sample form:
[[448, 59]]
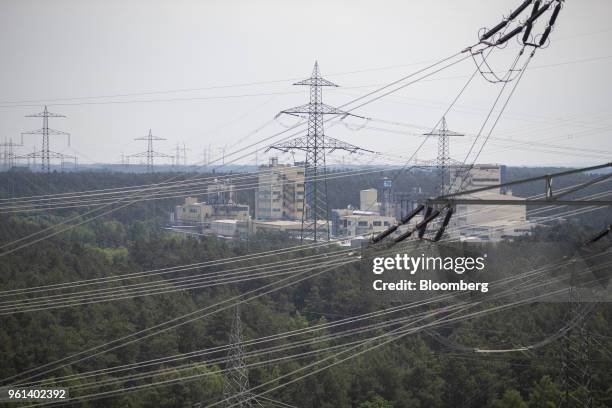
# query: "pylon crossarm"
[[49, 131], [329, 143], [149, 138], [52, 155], [315, 82], [153, 154], [141, 154], [321, 108], [56, 155]]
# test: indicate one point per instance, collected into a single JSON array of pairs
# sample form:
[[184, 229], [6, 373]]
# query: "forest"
[[434, 366]]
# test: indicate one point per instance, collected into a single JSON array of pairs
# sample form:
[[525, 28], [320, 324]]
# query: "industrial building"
[[292, 227], [351, 223], [279, 204], [280, 192], [367, 220], [368, 200], [200, 213], [491, 223], [218, 215], [221, 192], [486, 222], [479, 175]]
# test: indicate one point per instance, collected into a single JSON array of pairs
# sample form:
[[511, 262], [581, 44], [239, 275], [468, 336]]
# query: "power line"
[[80, 220], [315, 144]]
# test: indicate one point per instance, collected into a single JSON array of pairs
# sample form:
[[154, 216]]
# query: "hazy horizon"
[[214, 74]]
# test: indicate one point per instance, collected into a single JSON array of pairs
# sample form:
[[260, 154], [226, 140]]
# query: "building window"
[[362, 223], [377, 223]]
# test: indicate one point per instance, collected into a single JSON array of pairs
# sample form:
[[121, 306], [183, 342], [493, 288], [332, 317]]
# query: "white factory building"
[[486, 222], [367, 220]]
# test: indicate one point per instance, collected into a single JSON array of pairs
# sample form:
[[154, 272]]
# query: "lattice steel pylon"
[[315, 144], [575, 364], [46, 154], [8, 156], [236, 390], [150, 153], [443, 159]]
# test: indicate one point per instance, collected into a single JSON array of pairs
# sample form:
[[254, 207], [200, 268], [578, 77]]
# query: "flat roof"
[[224, 221], [278, 222]]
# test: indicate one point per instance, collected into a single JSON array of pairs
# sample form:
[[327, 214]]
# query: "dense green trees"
[[416, 371]]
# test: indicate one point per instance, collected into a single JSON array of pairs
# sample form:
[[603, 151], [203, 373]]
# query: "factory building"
[[491, 223], [487, 222], [200, 213], [221, 192], [351, 223], [280, 192], [367, 220], [368, 200], [480, 175], [292, 227]]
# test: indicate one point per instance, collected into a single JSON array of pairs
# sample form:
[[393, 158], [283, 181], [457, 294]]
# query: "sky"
[[212, 75]]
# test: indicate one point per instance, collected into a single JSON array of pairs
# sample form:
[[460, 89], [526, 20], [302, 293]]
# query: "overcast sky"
[[211, 73]]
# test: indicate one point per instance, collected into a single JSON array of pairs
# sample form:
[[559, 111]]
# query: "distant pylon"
[[177, 155], [236, 385], [184, 150], [150, 153], [9, 153], [46, 153], [443, 159], [315, 144]]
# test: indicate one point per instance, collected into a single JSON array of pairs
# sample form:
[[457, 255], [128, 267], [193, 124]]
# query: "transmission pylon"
[[180, 156], [315, 144], [236, 390], [575, 364], [443, 159], [46, 154], [184, 150], [177, 155], [150, 153], [9, 153]]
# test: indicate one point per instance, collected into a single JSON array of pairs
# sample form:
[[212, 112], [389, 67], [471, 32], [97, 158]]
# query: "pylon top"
[[45, 114], [443, 130], [150, 136], [315, 79]]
